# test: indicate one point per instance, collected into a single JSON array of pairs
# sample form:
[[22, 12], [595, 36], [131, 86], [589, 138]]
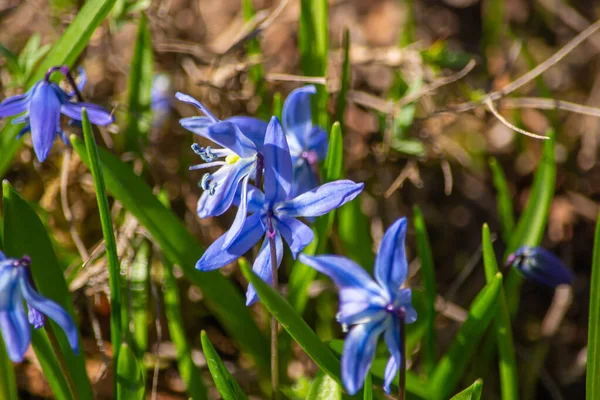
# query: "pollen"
[[232, 159]]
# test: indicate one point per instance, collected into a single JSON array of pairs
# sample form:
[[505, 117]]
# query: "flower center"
[[397, 311], [23, 262], [232, 159]]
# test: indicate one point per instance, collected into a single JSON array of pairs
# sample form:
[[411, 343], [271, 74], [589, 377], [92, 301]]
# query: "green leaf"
[[139, 114], [114, 269], [355, 234], [138, 298], [368, 388], [473, 392], [494, 24], [507, 360], [450, 368], [227, 386], [277, 105], [593, 351], [345, 80], [12, 63], [8, 384], [187, 369], [130, 384], [182, 249], [323, 387], [293, 323], [428, 272], [65, 51], [503, 200], [314, 46], [256, 73], [532, 224], [50, 282]]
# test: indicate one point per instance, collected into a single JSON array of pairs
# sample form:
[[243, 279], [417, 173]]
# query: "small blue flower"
[[241, 139], [372, 306], [273, 215], [160, 99], [540, 265], [308, 143], [42, 105], [16, 286]]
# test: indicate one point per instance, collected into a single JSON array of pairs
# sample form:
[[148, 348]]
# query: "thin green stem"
[[274, 323], [402, 385], [62, 362]]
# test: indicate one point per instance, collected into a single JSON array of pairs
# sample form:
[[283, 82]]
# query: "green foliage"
[[503, 200], [24, 234], [65, 51], [473, 392], [355, 234], [323, 387], [137, 296], [345, 80], [21, 66], [130, 383], [8, 384], [181, 248], [227, 386], [114, 273], [593, 352]]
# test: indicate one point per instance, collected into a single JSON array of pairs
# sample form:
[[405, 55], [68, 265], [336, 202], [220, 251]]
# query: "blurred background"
[[421, 156]]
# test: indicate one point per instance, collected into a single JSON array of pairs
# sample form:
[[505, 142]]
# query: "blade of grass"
[[503, 200], [228, 388], [8, 384], [502, 325], [345, 80], [187, 369], [323, 387], [114, 273], [428, 272], [355, 234], [450, 368], [66, 51], [50, 282], [593, 352], [256, 73], [368, 389], [138, 299], [473, 392], [130, 384], [182, 249]]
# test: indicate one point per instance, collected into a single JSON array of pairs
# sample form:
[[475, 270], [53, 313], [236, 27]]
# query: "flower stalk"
[[274, 324], [402, 383], [62, 362]]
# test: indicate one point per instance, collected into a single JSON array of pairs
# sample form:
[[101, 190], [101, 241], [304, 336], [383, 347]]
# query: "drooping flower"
[[42, 105], [273, 215], [16, 286], [308, 143], [372, 306], [241, 139], [540, 265]]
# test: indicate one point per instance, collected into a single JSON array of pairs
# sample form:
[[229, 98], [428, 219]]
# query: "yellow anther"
[[232, 159]]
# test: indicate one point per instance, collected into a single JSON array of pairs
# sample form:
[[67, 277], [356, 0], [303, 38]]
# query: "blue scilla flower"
[[372, 306], [16, 286], [42, 105], [274, 215], [540, 265], [160, 99], [308, 143], [241, 139]]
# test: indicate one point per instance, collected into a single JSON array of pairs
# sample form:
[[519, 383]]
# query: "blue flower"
[[241, 139], [274, 215], [540, 265], [308, 143], [372, 306], [42, 105], [16, 286], [160, 99]]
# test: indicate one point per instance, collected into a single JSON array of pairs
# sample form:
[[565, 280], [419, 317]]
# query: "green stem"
[[62, 362]]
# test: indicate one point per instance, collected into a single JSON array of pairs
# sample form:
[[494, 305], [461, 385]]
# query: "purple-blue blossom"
[[274, 214], [540, 265], [43, 104], [372, 307], [16, 286], [308, 143], [241, 138]]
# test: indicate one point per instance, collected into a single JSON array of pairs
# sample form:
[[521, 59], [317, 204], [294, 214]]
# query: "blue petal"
[[278, 164], [14, 326], [361, 305], [14, 105], [49, 308], [540, 265], [253, 128], [2, 256], [359, 349], [297, 114], [44, 116], [97, 115], [240, 216], [322, 199], [319, 142], [225, 133], [343, 271], [296, 233], [36, 318], [262, 266], [190, 100], [216, 257], [304, 178], [255, 199], [390, 265], [392, 341], [8, 282]]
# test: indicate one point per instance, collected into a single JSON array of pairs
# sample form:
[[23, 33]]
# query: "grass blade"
[[256, 73], [139, 118], [8, 384], [345, 80], [473, 392], [48, 276], [323, 387], [507, 360], [450, 368], [227, 386], [593, 352], [368, 389], [503, 200], [65, 51], [138, 299], [114, 273], [355, 234], [187, 369], [428, 272], [182, 249], [130, 384]]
